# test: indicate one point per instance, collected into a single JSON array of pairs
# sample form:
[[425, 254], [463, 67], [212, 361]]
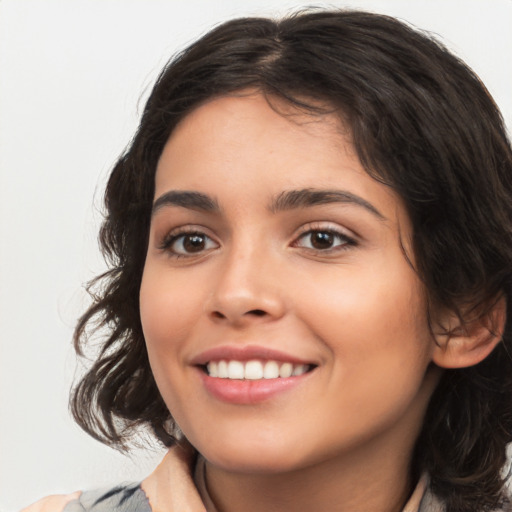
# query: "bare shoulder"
[[52, 503]]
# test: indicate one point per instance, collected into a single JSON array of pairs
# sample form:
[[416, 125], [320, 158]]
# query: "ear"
[[463, 345]]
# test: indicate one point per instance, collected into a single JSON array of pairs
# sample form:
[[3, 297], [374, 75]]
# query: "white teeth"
[[286, 370], [299, 370], [236, 370], [254, 369], [222, 369], [271, 370], [212, 369]]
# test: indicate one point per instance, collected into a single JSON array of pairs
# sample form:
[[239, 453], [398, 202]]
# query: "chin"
[[256, 465], [252, 458]]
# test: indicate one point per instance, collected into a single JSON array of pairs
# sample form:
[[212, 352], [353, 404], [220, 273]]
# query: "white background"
[[72, 73]]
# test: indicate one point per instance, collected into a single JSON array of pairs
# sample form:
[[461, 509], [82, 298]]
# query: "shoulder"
[[52, 503], [122, 498]]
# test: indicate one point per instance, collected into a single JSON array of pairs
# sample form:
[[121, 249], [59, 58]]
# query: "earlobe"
[[463, 345]]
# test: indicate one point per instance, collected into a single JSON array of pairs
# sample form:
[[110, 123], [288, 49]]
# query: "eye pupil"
[[194, 243], [322, 240]]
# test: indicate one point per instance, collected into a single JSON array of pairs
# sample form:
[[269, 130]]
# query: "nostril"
[[256, 312], [239, 316]]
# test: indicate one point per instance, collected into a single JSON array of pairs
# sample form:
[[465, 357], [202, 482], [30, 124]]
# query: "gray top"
[[123, 498], [131, 498]]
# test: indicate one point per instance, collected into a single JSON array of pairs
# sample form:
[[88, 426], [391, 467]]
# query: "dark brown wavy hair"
[[421, 122]]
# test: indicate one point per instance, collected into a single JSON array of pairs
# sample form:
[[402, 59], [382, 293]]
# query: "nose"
[[247, 289]]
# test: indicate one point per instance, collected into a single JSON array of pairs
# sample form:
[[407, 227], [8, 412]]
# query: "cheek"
[[166, 316], [165, 306], [377, 315], [375, 329], [166, 319]]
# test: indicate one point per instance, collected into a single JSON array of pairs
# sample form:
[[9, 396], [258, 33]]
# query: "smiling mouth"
[[255, 369]]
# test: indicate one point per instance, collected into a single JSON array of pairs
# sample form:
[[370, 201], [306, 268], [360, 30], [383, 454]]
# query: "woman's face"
[[284, 325]]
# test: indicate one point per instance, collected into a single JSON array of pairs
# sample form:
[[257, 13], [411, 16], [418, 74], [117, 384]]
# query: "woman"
[[310, 238]]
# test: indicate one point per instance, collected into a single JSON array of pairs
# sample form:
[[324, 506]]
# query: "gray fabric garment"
[[131, 498], [123, 498], [430, 503]]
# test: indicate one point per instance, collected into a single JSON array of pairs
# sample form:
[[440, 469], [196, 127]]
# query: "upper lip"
[[246, 353]]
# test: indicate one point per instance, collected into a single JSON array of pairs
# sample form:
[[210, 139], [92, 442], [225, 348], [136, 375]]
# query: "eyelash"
[[173, 237], [345, 240]]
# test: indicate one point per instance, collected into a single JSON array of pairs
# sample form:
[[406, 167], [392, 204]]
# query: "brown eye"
[[193, 243], [323, 240], [188, 244]]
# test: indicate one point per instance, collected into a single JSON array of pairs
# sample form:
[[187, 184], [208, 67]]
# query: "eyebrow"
[[186, 199], [306, 197], [287, 200]]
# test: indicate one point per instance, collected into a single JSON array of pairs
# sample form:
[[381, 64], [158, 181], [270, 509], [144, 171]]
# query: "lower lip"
[[249, 391]]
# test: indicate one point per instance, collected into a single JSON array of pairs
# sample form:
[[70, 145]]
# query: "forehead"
[[250, 125], [235, 124], [255, 147]]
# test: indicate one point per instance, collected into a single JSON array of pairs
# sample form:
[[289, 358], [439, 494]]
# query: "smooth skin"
[[326, 282]]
